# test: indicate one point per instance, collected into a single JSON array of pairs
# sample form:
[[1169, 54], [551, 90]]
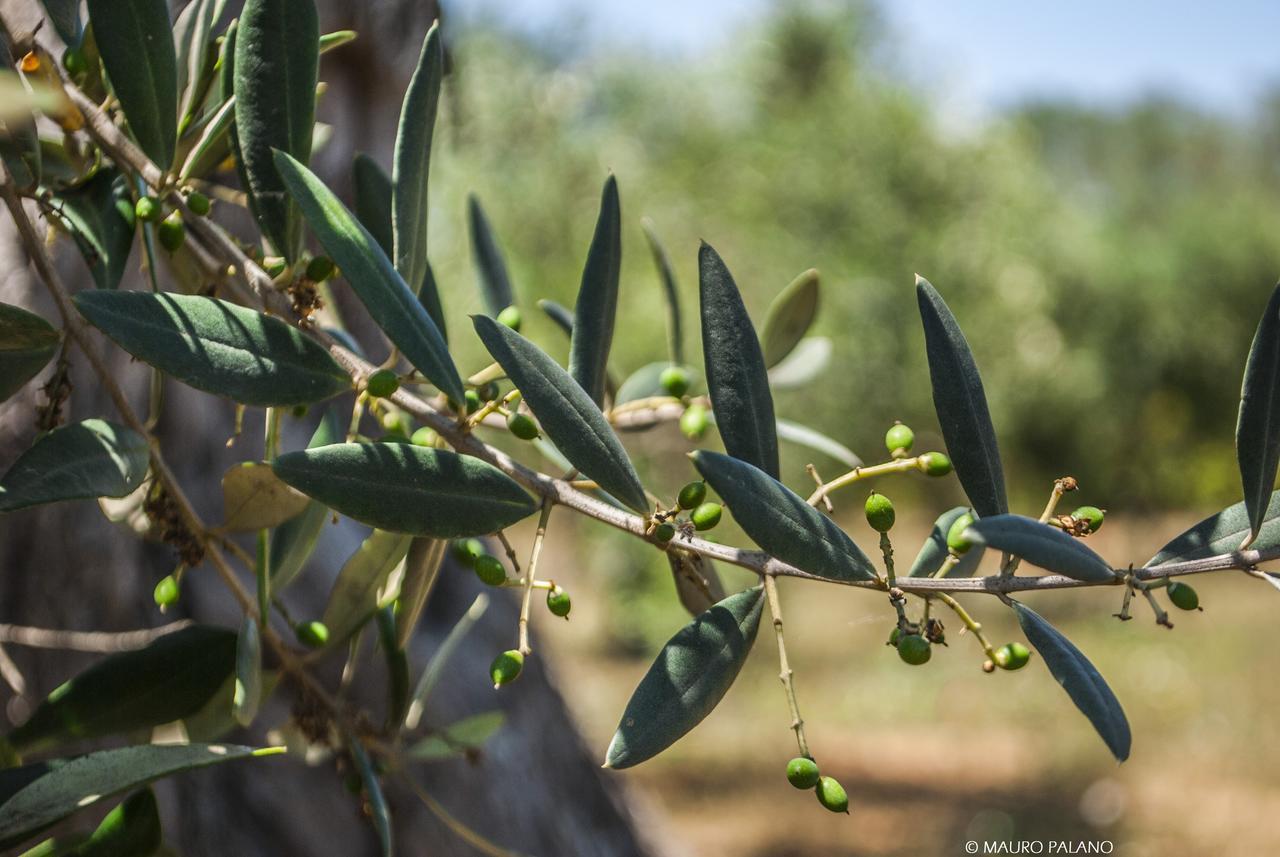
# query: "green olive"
[[166, 592], [934, 464], [467, 551], [382, 383], [1091, 515], [1183, 596], [692, 495], [880, 514], [171, 232], [510, 317], [74, 62], [313, 635], [522, 426], [898, 439], [472, 401], [490, 569], [198, 203], [506, 667], [558, 602], [694, 421], [956, 540], [832, 795], [1012, 656], [319, 269], [664, 533], [802, 772], [424, 437], [914, 649], [274, 266], [894, 636], [148, 209], [675, 380], [706, 516], [488, 391]]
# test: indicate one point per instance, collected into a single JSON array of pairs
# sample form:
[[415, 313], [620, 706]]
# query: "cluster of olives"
[[170, 230], [803, 773], [491, 571], [692, 498]]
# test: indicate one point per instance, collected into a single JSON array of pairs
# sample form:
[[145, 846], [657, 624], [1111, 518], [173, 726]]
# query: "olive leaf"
[[379, 812], [780, 521], [372, 277], [806, 363], [214, 143], [217, 346], [277, 65], [99, 216], [961, 404], [412, 161], [933, 553], [295, 539], [65, 17], [1258, 426], [817, 441], [354, 596], [1041, 545], [462, 737], [736, 375], [336, 39], [397, 663], [191, 38], [254, 498], [491, 270], [789, 317], [691, 675], [136, 47], [35, 797], [27, 343], [1079, 679], [1222, 534], [670, 292], [421, 567], [172, 677], [408, 489], [564, 410], [440, 658], [698, 585], [79, 461], [597, 304], [248, 687], [560, 315], [130, 830]]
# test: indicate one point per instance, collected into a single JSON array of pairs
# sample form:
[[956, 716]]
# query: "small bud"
[[694, 421], [510, 317], [914, 649], [467, 551], [522, 426], [880, 514], [319, 269], [706, 516], [166, 592], [1183, 596], [664, 533], [506, 668], [692, 495], [1092, 516], [802, 772], [558, 602], [675, 380], [147, 209], [198, 203], [382, 384], [313, 635], [832, 795], [988, 667], [490, 570], [934, 464], [171, 232], [1012, 656], [956, 540], [898, 440]]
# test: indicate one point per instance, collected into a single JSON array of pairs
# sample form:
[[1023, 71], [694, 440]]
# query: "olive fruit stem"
[[974, 627], [1162, 618], [784, 666], [529, 578], [898, 465], [826, 501]]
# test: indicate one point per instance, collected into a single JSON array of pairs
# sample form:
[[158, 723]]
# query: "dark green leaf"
[[494, 282], [1079, 679], [373, 191], [736, 373], [933, 553], [565, 411], [1222, 534], [961, 404], [65, 16], [408, 489], [560, 315], [169, 679], [136, 46], [780, 521], [597, 304], [354, 595], [27, 343], [397, 663], [413, 159], [1042, 545], [421, 566], [372, 277], [1258, 428], [248, 689], [671, 294], [378, 809], [463, 737], [295, 539], [693, 672], [217, 346], [789, 317], [92, 214], [277, 64], [80, 461], [61, 787], [132, 829]]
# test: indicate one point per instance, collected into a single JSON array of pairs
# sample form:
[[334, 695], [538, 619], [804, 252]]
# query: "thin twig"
[[784, 667], [530, 575]]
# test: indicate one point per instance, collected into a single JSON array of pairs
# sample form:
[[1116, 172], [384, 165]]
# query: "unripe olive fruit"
[[558, 602], [382, 383], [914, 649], [1091, 515], [706, 516], [880, 514], [74, 62], [488, 391], [424, 437], [506, 667], [166, 592], [490, 569], [522, 426], [894, 636], [694, 421], [467, 551], [319, 269], [664, 533], [1012, 656], [956, 540], [147, 209], [274, 266], [934, 464], [692, 495], [802, 772], [1183, 596], [198, 203], [832, 795], [899, 438], [472, 401], [510, 317], [171, 232], [675, 380], [313, 635]]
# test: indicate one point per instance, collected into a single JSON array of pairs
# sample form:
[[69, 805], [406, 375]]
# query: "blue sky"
[[986, 53]]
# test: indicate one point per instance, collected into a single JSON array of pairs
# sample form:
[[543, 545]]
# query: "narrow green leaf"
[[806, 363], [408, 489], [646, 382], [397, 664], [1222, 534], [248, 688], [65, 16], [670, 293], [933, 553], [466, 736], [421, 567], [1258, 427], [789, 317], [818, 442], [691, 675], [736, 373], [597, 304], [27, 343], [61, 787], [336, 39], [560, 315], [80, 461], [566, 413], [214, 143], [132, 829], [440, 659], [92, 213], [1041, 545], [192, 41], [373, 192], [780, 521], [169, 679], [1079, 679], [429, 297], [295, 539], [136, 46], [254, 498], [372, 277], [412, 161], [355, 593], [378, 809], [961, 404], [217, 346], [495, 284], [277, 64]]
